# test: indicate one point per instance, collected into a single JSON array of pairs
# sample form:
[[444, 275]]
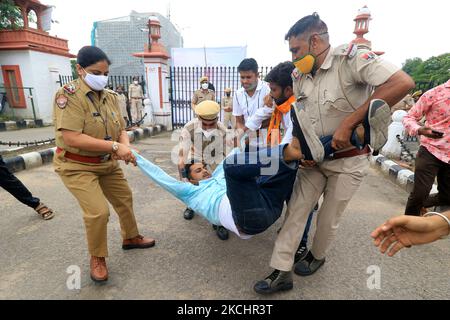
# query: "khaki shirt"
[[227, 103], [135, 91], [193, 141], [122, 100], [84, 111], [200, 96], [343, 83]]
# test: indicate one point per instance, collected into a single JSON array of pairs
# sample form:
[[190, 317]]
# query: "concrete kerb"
[[403, 177], [36, 159], [21, 124]]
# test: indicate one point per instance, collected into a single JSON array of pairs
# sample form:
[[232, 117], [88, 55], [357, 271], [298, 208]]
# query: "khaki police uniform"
[[122, 100], [135, 95], [344, 82], [194, 142], [202, 95], [77, 108], [227, 107], [212, 150]]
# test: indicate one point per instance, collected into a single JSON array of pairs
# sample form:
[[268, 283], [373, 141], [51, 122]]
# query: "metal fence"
[[184, 81], [113, 81], [6, 96]]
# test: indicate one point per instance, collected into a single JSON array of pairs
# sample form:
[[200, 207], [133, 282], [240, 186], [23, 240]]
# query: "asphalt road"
[[25, 135], [190, 262]]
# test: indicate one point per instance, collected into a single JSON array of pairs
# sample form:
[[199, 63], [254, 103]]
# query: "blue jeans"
[[326, 142], [257, 200]]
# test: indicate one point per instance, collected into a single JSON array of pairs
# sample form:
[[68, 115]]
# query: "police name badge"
[[61, 101]]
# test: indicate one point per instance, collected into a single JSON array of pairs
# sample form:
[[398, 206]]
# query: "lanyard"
[[246, 100], [104, 120]]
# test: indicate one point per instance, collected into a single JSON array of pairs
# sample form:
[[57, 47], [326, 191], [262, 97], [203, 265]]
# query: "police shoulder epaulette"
[[69, 88], [112, 92], [296, 75], [349, 50], [352, 50]]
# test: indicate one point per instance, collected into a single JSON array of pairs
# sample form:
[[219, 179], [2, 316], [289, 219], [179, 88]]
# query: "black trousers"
[[13, 185], [428, 167]]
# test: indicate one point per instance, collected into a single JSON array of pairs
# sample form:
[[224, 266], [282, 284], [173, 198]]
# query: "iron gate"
[[184, 81]]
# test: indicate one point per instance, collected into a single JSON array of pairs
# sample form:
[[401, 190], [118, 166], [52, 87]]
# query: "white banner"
[[208, 57]]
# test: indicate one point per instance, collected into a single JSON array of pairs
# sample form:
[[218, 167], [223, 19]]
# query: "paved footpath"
[[189, 261]]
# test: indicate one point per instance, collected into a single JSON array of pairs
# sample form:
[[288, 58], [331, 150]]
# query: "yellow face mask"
[[305, 64]]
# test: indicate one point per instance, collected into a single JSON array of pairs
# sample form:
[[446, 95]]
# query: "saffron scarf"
[[273, 136]]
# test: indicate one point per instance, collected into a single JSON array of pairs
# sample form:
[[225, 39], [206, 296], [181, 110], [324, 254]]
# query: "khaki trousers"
[[93, 185], [136, 109], [229, 119], [337, 180]]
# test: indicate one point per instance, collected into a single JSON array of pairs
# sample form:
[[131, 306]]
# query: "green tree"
[[10, 15], [435, 70], [73, 64]]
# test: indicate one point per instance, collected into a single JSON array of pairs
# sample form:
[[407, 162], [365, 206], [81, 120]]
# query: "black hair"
[[187, 167], [248, 65], [89, 55], [307, 24], [281, 75]]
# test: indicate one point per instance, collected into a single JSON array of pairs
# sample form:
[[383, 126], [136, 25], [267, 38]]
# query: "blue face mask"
[[96, 83]]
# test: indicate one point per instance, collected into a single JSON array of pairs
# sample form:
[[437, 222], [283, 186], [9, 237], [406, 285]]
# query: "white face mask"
[[96, 83], [205, 86], [209, 133], [136, 82]]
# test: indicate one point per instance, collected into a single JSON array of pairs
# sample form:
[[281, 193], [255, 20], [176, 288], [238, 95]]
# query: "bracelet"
[[443, 217]]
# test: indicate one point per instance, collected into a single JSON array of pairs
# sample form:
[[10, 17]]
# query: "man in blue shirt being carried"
[[245, 194]]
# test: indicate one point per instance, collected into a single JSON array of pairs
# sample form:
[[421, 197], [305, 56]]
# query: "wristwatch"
[[115, 147]]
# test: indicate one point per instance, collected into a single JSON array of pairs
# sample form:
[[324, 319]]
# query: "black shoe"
[[221, 232], [308, 266], [301, 253], [276, 281], [188, 214]]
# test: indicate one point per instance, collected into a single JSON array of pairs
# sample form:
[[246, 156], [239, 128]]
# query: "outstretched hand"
[[405, 231]]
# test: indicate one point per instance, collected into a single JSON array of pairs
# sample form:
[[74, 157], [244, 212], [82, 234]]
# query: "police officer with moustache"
[[90, 138], [334, 88]]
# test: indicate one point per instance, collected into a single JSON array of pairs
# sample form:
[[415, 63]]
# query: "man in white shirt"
[[250, 98], [279, 102]]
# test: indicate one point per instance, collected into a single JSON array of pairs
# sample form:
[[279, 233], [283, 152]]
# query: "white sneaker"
[[379, 117], [312, 140]]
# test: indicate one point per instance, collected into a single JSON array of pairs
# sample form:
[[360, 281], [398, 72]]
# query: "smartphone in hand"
[[440, 134]]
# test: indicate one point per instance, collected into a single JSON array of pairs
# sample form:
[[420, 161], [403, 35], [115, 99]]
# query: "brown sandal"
[[45, 212]]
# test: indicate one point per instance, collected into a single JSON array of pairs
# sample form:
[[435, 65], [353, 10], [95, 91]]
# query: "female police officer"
[[90, 137]]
